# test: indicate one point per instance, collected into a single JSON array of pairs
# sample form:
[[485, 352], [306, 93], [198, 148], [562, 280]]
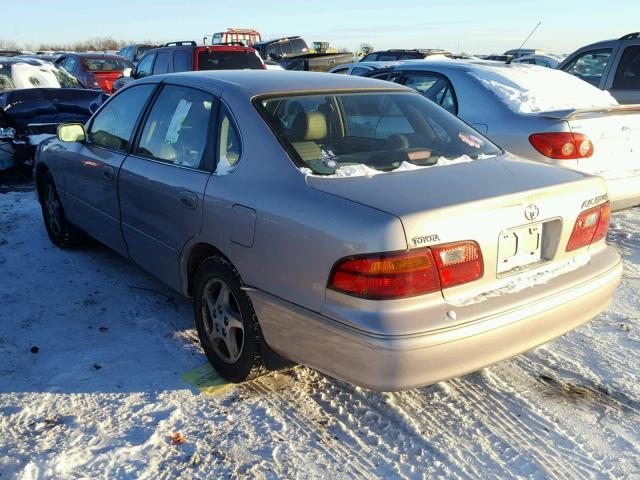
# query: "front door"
[[92, 167], [162, 183]]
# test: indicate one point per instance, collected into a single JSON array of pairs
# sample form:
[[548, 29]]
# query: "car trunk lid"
[[520, 213], [615, 134]]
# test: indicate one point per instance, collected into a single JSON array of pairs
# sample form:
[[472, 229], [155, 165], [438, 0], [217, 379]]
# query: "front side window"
[[590, 66], [380, 130], [145, 65], [359, 70], [435, 87], [177, 128], [228, 144], [113, 126], [628, 74]]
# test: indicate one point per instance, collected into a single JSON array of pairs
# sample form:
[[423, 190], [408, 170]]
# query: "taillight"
[[458, 263], [385, 276], [407, 274], [562, 145], [591, 226]]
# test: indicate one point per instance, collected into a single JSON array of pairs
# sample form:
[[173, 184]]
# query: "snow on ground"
[[102, 396]]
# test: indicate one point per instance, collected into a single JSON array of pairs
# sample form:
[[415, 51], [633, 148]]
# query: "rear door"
[[92, 167], [626, 80], [163, 182]]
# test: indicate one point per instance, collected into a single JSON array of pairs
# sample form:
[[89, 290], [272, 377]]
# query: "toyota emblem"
[[531, 212]]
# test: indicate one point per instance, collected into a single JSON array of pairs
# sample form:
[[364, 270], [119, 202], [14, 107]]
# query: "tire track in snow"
[[555, 460], [292, 411], [417, 410], [373, 416]]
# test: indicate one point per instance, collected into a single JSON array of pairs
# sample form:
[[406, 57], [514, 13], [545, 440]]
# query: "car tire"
[[60, 231], [227, 325]]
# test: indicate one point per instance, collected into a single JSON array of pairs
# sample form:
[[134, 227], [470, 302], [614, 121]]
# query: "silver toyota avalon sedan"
[[344, 223]]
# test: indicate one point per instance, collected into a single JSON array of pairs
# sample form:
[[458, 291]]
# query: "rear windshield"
[[228, 60], [374, 132], [33, 75], [105, 64]]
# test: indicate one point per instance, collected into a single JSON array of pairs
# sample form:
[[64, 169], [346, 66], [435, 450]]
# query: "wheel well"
[[41, 170], [198, 254]]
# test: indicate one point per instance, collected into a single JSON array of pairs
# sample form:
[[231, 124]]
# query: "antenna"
[[525, 41]]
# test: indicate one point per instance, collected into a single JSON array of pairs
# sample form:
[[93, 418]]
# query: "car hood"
[[20, 108], [407, 192]]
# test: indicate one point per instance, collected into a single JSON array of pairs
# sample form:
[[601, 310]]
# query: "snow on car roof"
[[533, 89], [525, 88]]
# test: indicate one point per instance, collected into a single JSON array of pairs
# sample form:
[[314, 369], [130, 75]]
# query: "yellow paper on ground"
[[206, 379]]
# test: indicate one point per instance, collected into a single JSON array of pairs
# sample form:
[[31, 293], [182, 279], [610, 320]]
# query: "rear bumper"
[[393, 362], [623, 192]]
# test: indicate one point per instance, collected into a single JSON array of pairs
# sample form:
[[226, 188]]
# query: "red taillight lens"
[[592, 225], [385, 276], [562, 145], [458, 263], [408, 274]]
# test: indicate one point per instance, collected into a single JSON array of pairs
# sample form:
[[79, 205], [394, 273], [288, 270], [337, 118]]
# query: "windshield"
[[105, 64], [27, 75], [228, 60], [381, 131]]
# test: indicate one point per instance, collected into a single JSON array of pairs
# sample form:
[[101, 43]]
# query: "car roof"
[[263, 82], [36, 62], [110, 56]]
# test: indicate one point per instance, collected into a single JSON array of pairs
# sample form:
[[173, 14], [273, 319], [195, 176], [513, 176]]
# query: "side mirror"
[[71, 132], [127, 72]]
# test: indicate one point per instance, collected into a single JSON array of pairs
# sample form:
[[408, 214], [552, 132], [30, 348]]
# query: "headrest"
[[309, 126], [635, 66]]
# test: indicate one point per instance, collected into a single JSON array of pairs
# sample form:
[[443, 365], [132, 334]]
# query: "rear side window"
[[590, 66], [359, 70], [341, 71], [177, 128], [435, 87], [113, 126], [228, 60], [163, 63], [228, 144], [628, 74], [181, 61], [372, 57]]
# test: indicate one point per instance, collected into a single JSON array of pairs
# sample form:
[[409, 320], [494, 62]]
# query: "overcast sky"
[[473, 26]]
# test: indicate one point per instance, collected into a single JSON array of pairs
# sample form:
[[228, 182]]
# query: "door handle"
[[107, 173], [188, 199]]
